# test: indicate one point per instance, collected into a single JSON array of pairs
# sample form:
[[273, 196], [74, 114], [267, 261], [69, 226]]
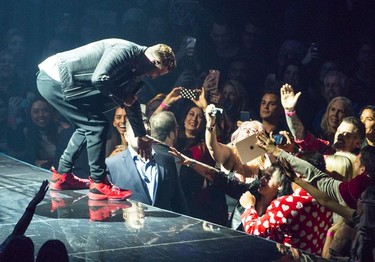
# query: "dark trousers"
[[91, 126]]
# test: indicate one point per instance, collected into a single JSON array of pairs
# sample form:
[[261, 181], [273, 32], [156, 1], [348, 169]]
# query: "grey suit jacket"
[[169, 195]]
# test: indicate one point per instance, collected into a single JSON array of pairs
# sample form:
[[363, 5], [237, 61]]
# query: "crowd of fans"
[[305, 70]]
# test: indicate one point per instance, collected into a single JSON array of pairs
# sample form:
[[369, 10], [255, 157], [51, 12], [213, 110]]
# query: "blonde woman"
[[339, 108]]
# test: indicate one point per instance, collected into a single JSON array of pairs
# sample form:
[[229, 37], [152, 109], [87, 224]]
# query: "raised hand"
[[39, 196], [267, 143], [201, 102], [288, 97], [173, 96], [247, 200]]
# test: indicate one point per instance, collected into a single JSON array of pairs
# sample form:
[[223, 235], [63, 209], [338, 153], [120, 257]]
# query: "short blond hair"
[[164, 54]]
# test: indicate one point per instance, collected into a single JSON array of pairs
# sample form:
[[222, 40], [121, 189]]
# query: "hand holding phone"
[[211, 81]]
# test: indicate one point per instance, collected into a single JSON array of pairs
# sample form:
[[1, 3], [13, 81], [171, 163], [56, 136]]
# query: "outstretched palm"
[[288, 97]]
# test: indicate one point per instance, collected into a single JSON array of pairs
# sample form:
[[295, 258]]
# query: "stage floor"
[[119, 231]]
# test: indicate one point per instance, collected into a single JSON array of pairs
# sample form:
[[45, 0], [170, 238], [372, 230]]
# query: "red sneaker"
[[67, 181], [56, 201], [106, 191]]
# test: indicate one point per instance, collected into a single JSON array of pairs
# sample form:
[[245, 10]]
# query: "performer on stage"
[[80, 83]]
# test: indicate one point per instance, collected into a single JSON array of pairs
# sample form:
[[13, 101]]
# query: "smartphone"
[[244, 116], [188, 94], [190, 42], [216, 76]]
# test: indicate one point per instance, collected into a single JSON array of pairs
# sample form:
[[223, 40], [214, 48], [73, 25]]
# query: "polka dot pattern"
[[297, 220]]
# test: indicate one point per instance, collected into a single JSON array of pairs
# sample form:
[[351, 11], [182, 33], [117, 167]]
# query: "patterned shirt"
[[296, 220]]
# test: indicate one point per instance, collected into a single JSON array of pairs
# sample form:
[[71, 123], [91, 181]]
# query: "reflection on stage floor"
[[120, 231]]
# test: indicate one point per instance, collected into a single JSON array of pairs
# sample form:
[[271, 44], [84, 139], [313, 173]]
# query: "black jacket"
[[103, 68]]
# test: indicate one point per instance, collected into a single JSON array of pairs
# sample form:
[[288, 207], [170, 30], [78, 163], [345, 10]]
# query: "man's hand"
[[247, 200], [288, 98], [268, 144], [144, 147]]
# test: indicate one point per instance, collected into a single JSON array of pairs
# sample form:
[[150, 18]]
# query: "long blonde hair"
[[348, 111], [341, 164]]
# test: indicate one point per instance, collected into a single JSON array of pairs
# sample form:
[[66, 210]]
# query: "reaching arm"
[[170, 99], [218, 151], [25, 220], [325, 200], [289, 100], [203, 169]]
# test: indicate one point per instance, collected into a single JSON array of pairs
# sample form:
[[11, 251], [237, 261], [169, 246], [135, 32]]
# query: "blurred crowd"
[[301, 69]]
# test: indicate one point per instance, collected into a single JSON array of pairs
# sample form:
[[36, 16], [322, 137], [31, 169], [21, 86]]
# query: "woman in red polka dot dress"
[[296, 220]]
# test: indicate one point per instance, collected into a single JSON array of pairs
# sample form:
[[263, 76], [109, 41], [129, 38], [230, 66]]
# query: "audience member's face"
[[368, 119], [156, 28], [326, 67], [291, 75], [221, 36], [6, 65], [332, 87], [250, 36], [229, 92], [40, 114], [16, 45], [345, 138], [238, 71], [269, 107], [366, 57], [269, 182], [336, 114], [119, 120], [193, 120]]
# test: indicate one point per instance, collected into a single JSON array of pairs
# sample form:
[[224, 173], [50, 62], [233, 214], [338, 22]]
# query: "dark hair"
[[52, 250], [367, 159], [272, 92], [20, 248], [33, 134], [183, 142], [371, 107], [314, 158], [359, 126], [286, 185]]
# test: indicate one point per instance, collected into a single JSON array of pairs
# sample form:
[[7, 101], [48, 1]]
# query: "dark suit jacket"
[[101, 72], [169, 195]]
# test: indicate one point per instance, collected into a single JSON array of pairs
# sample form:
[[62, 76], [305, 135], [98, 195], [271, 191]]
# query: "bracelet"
[[192, 164], [164, 106], [290, 113], [330, 233]]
